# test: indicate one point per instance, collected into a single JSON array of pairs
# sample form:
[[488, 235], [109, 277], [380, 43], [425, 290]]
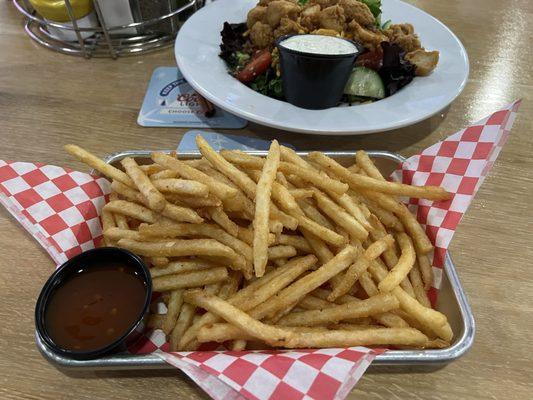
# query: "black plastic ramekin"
[[68, 269], [314, 81]]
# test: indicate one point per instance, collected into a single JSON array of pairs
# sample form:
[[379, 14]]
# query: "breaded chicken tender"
[[404, 36], [355, 10], [332, 18], [425, 61], [324, 3], [368, 38], [278, 9], [288, 26], [257, 13], [309, 17], [261, 35]]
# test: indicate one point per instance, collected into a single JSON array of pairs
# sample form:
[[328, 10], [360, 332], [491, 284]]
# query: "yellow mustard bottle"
[[56, 10]]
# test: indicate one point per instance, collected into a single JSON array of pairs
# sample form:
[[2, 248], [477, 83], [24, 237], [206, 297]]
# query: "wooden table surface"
[[48, 99]]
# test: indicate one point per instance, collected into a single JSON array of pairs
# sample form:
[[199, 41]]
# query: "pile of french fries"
[[279, 251]]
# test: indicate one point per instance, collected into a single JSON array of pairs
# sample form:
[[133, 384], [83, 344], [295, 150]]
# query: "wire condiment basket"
[[108, 41]]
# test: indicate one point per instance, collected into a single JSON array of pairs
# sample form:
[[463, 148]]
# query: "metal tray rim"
[[393, 357]]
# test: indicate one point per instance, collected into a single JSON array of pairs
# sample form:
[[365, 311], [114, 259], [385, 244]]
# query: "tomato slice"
[[371, 59], [258, 64]]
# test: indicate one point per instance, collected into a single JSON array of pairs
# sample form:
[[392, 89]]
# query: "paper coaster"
[[171, 102]]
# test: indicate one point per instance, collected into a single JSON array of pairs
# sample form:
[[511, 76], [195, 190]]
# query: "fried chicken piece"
[[258, 13], [355, 10], [278, 9], [261, 35], [425, 61], [404, 36], [332, 18], [309, 17], [324, 3], [326, 32], [288, 26], [370, 39]]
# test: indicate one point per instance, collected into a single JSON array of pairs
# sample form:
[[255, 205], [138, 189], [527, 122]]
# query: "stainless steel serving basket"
[[155, 25]]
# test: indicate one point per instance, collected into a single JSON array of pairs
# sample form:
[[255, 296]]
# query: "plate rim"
[[266, 121]]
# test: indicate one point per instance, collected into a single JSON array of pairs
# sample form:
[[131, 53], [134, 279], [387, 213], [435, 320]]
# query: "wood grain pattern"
[[48, 99]]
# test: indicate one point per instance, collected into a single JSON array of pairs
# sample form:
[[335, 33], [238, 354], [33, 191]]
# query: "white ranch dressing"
[[319, 44]]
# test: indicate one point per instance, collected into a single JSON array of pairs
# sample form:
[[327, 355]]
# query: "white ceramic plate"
[[197, 49]]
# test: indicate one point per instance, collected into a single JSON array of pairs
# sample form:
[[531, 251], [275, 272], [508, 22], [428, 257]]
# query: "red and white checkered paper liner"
[[60, 208]]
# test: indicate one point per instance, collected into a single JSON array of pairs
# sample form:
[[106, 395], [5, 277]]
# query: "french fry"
[[173, 310], [280, 251], [341, 217], [181, 186], [159, 262], [425, 270], [299, 194], [247, 236], [218, 215], [318, 230], [262, 209], [183, 322], [181, 214], [92, 161], [115, 234], [242, 180], [189, 279], [108, 220], [418, 287], [358, 182], [194, 201], [298, 242], [366, 337], [279, 193], [429, 318], [177, 267], [271, 335], [163, 174], [222, 332], [151, 169], [219, 189], [310, 302], [402, 268], [156, 321], [156, 201], [411, 225], [332, 315], [132, 210], [179, 248], [361, 265]]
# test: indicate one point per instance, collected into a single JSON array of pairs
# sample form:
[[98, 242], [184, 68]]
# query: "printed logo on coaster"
[[170, 101]]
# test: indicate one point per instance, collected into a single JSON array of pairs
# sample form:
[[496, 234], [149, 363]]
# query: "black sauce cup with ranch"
[[315, 68], [94, 304]]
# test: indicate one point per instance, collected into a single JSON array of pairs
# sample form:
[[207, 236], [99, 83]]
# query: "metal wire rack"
[[103, 40]]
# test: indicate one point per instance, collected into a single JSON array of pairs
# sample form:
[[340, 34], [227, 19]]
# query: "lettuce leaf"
[[374, 6]]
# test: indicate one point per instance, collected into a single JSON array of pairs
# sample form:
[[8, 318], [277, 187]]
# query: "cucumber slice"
[[365, 82]]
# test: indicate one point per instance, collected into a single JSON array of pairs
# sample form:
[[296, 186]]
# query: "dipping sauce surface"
[[319, 44], [95, 306]]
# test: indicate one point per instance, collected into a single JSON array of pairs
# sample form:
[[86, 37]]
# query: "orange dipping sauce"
[[95, 306]]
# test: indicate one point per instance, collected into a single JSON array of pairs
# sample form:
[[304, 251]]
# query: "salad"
[[393, 54]]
